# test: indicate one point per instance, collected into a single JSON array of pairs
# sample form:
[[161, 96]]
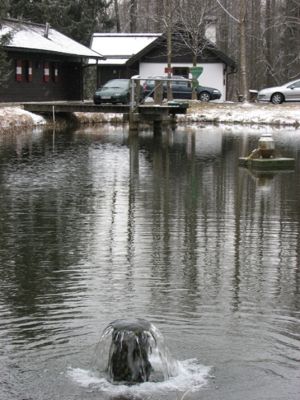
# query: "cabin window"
[[54, 72], [27, 70], [46, 74], [19, 70], [23, 70]]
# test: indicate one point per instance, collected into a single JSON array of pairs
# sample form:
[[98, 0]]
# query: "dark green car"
[[181, 89], [114, 91]]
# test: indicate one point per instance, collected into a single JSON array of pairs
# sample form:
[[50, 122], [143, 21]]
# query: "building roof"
[[118, 48], [127, 48], [31, 37]]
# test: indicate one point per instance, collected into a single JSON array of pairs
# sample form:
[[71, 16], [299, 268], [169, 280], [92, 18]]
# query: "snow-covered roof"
[[118, 48], [110, 61], [36, 37]]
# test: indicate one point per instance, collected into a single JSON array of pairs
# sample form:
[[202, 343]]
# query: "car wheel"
[[204, 96], [277, 98]]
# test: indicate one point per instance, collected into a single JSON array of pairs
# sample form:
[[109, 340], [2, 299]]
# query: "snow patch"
[[11, 117], [244, 113]]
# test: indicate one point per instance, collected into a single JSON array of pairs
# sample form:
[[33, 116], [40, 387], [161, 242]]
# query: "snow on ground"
[[254, 114], [243, 113], [13, 117], [96, 118]]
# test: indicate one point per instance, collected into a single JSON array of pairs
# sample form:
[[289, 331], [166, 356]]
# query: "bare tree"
[[133, 15], [168, 18], [117, 15], [191, 20], [243, 54], [263, 35], [241, 21]]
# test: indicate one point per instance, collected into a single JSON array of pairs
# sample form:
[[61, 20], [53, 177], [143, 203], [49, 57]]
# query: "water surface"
[[96, 226]]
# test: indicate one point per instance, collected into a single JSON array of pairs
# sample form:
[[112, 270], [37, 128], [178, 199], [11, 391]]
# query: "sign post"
[[196, 72]]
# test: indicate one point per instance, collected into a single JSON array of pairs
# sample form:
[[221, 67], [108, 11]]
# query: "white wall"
[[212, 75]]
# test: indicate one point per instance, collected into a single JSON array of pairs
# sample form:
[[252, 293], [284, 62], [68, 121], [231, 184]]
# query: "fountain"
[[132, 351], [266, 157], [131, 360]]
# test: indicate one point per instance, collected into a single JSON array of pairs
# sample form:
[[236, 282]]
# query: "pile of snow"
[[12, 117], [96, 118], [243, 113], [221, 113]]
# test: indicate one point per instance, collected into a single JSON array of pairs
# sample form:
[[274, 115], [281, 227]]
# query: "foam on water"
[[190, 376]]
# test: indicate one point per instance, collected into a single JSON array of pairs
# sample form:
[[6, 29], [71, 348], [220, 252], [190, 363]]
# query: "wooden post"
[[157, 125], [134, 117], [158, 92], [53, 114], [134, 120]]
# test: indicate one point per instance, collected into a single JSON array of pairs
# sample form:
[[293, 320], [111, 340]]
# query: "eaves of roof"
[[218, 53], [223, 57], [40, 51], [144, 51]]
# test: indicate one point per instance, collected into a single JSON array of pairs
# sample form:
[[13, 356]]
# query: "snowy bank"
[[97, 118], [243, 113], [15, 117], [213, 112], [221, 113]]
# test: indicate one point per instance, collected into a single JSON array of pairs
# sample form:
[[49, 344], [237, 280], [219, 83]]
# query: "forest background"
[[262, 36]]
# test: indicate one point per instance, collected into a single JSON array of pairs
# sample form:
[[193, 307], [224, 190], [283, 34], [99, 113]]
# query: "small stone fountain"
[[265, 156], [132, 351]]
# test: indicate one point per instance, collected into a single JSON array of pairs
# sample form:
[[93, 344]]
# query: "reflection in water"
[[96, 225]]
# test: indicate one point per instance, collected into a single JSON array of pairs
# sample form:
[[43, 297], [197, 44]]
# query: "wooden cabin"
[[45, 64]]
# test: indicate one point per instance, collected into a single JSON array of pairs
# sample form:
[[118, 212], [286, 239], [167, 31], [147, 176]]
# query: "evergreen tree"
[[77, 19], [5, 69]]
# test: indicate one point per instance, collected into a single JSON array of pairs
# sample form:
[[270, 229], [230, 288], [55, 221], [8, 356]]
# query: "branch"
[[227, 12]]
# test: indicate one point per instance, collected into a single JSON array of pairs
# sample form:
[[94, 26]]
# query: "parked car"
[[114, 91], [278, 94], [181, 89]]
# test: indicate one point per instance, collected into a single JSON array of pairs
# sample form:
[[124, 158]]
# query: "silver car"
[[278, 94]]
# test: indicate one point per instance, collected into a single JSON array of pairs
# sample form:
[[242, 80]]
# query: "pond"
[[97, 225]]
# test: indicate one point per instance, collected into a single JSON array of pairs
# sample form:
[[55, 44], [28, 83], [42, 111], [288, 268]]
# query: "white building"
[[144, 54]]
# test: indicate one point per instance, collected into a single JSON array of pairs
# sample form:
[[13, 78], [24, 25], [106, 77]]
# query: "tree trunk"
[[159, 10], [243, 57], [169, 48], [133, 16], [117, 15], [194, 91], [268, 54]]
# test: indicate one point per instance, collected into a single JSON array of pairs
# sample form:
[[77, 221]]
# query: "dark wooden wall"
[[106, 73], [179, 55], [67, 85]]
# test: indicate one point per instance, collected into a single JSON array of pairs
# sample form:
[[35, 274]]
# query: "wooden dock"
[[150, 112], [61, 107], [64, 107]]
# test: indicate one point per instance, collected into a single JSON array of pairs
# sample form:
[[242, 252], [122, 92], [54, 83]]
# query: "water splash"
[[191, 376], [149, 364], [133, 351]]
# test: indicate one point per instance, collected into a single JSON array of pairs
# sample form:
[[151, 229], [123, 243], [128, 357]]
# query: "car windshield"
[[294, 85], [117, 84]]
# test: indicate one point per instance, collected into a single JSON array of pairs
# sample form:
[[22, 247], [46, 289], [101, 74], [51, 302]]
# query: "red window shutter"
[[19, 70], [29, 71], [46, 72], [55, 73]]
